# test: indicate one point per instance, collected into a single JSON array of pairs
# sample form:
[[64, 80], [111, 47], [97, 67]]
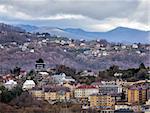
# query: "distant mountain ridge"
[[28, 28], [119, 34], [9, 33]]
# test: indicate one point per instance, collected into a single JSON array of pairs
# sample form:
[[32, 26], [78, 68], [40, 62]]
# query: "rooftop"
[[86, 87]]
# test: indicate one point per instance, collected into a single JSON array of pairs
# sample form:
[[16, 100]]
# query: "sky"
[[91, 15]]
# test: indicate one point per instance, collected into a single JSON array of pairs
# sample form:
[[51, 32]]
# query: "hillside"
[[9, 33], [27, 48]]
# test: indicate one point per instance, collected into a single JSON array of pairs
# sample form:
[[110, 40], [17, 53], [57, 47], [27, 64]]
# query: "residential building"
[[28, 84], [88, 73], [137, 94], [57, 93], [40, 65], [10, 84], [61, 78], [110, 87], [43, 73], [84, 91], [134, 46], [38, 93], [103, 102]]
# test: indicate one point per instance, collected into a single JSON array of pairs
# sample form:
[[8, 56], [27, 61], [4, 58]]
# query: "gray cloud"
[[97, 10]]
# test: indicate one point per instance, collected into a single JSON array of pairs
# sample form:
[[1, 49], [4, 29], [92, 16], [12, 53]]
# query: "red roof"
[[86, 87]]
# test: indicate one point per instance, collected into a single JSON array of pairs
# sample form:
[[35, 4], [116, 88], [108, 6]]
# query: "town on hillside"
[[74, 56], [66, 90]]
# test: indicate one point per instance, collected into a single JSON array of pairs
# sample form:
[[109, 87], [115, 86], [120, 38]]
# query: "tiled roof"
[[140, 87], [56, 89]]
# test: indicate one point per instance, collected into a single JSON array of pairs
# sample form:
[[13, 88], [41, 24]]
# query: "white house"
[[10, 84], [28, 84], [88, 73], [135, 46], [61, 78]]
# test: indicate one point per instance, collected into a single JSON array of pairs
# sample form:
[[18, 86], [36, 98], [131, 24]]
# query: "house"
[[88, 73], [123, 47], [134, 46], [118, 74], [40, 65], [28, 84], [105, 53], [7, 77], [84, 91], [61, 78], [10, 84]]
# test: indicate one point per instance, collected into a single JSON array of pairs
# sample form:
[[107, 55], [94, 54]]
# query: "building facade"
[[102, 102], [110, 87], [137, 95], [85, 91]]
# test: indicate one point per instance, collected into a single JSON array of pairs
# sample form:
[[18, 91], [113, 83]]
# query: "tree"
[[8, 95], [16, 71], [112, 70], [67, 70], [40, 60], [142, 74], [142, 66]]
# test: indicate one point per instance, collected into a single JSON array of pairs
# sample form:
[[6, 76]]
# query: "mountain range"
[[119, 34]]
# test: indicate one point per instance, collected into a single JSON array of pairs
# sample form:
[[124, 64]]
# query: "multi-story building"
[[84, 91], [110, 87], [137, 94], [38, 93], [57, 93], [103, 102], [52, 93]]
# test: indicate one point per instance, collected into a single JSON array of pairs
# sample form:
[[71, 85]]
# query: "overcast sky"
[[92, 15]]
